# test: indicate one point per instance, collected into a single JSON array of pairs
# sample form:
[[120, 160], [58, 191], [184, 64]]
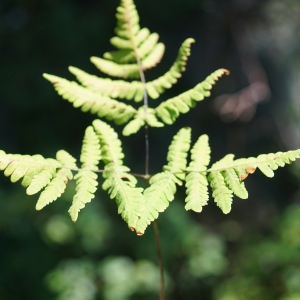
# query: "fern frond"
[[169, 110], [227, 175], [177, 153], [89, 101], [196, 182], [144, 116], [58, 184], [129, 70], [157, 197], [156, 87], [86, 178], [36, 170], [39, 173], [133, 43], [120, 184], [163, 185], [134, 90], [110, 88]]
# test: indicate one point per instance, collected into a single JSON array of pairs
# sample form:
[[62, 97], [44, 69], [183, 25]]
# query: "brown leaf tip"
[[250, 170], [244, 176]]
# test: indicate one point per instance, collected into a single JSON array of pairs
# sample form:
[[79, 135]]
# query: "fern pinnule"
[[36, 170], [107, 87], [119, 184], [17, 166], [58, 184], [89, 101], [86, 178], [111, 149], [163, 185], [157, 197], [196, 180], [134, 45], [134, 89], [227, 175], [145, 115], [177, 153], [169, 110], [156, 87]]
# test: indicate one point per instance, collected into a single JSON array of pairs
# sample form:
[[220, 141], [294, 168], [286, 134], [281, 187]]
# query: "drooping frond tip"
[[226, 177]]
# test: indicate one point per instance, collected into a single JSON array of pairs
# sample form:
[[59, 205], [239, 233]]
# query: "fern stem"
[[143, 80], [160, 261], [147, 151], [155, 227]]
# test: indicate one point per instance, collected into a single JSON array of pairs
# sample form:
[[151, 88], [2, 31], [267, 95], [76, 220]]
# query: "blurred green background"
[[252, 253]]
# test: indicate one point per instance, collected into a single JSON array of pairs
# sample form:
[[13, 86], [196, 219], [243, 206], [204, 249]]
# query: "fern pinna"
[[137, 50]]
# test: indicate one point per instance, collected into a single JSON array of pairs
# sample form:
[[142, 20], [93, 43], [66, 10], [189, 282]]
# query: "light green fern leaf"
[[86, 178], [36, 170], [157, 197], [129, 199], [177, 153], [196, 182], [144, 116], [170, 110], [227, 175], [133, 44], [156, 87], [134, 89], [110, 88], [58, 184], [111, 147], [120, 184], [163, 185], [89, 101], [38, 173], [221, 193]]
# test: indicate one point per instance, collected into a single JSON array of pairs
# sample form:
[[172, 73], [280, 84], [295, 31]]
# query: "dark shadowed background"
[[252, 253]]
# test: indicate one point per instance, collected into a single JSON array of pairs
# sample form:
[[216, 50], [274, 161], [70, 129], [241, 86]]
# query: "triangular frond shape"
[[86, 178], [89, 101], [120, 184], [144, 116], [133, 43], [58, 184], [134, 89], [163, 185], [196, 182], [169, 110]]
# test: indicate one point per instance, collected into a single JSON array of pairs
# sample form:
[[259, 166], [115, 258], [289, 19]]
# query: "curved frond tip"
[[169, 110]]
